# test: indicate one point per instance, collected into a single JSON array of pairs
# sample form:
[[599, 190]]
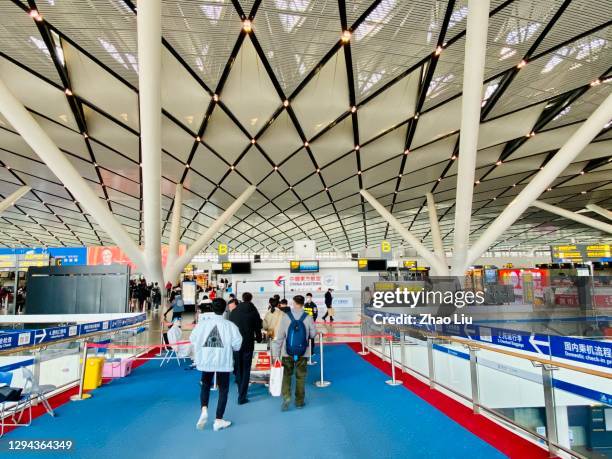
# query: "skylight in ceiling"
[[580, 51], [439, 84], [563, 112], [40, 45], [375, 21], [517, 36], [367, 81], [458, 16], [288, 20], [489, 90], [199, 60], [110, 49], [212, 10]]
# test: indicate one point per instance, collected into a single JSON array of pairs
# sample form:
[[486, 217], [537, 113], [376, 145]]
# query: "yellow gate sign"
[[385, 246]]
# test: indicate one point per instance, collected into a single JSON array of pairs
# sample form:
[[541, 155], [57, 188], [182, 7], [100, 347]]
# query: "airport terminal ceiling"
[[310, 114]]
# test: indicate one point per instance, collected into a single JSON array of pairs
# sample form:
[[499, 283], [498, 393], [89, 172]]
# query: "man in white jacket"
[[214, 342]]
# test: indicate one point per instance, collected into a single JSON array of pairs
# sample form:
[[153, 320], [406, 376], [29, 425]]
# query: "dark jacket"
[[328, 299], [247, 319], [311, 309]]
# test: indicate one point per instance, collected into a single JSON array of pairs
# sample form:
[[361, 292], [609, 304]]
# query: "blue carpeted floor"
[[152, 414]]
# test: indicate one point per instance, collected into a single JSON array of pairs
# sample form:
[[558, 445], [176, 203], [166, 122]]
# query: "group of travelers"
[[224, 342], [144, 296]]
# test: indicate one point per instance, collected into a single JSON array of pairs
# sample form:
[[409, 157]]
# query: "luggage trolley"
[[261, 364]]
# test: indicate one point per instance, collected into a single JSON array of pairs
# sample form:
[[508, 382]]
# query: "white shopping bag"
[[276, 379]]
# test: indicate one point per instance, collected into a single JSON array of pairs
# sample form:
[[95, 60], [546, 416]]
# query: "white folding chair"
[[36, 391], [6, 377]]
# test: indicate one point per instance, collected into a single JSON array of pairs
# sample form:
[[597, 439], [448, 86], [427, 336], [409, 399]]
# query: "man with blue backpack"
[[290, 345]]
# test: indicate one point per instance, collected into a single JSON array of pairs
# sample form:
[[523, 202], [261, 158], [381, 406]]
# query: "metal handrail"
[[567, 366], [21, 349]]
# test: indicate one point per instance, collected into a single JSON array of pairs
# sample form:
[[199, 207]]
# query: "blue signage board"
[[10, 340], [582, 350], [588, 351], [70, 256]]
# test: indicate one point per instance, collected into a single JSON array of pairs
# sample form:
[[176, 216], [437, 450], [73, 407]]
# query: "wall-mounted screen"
[[304, 266], [236, 267], [371, 265]]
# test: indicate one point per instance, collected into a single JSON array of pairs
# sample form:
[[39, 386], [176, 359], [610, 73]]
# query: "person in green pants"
[[292, 364]]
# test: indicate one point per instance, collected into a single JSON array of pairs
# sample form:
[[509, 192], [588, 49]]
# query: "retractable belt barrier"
[[392, 382]]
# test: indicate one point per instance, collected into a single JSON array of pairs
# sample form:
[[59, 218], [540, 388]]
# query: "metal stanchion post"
[[214, 387], [363, 348], [81, 395], [322, 382], [402, 350], [392, 381], [310, 362]]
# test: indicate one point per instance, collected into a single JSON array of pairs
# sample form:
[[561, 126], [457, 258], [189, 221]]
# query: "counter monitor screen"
[[371, 265], [304, 266], [233, 267]]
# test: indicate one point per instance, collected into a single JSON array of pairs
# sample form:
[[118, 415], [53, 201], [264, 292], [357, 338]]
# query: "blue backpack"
[[297, 340]]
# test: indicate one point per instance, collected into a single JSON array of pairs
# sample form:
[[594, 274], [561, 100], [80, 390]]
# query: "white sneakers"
[[203, 418], [221, 424]]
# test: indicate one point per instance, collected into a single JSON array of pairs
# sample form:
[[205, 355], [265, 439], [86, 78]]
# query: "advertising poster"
[[107, 255], [189, 292]]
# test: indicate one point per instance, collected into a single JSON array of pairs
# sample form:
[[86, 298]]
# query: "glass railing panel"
[[452, 368], [583, 412], [512, 387]]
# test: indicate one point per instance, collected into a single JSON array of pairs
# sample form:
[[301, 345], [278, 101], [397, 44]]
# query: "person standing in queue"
[[311, 309], [329, 300], [214, 341], [247, 319], [291, 347], [284, 305], [272, 318]]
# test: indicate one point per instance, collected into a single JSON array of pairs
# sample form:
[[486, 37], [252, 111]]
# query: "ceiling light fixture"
[[216, 97], [247, 26], [318, 171], [356, 147], [499, 163], [306, 144], [353, 109], [34, 14], [438, 51], [596, 82], [521, 64], [454, 157], [253, 141], [198, 138], [583, 192], [477, 182], [232, 167], [581, 172], [68, 92], [275, 168], [346, 36], [187, 166], [285, 103], [358, 172], [406, 151]]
